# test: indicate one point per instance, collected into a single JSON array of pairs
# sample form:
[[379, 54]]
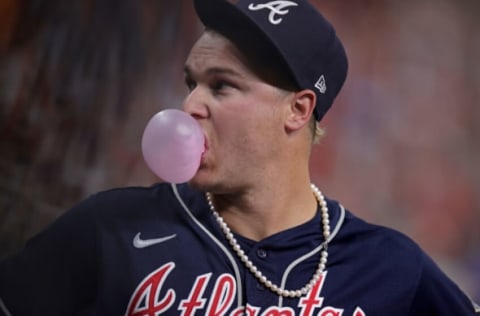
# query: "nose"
[[195, 103]]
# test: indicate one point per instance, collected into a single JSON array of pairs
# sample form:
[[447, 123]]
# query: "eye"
[[219, 86], [190, 84]]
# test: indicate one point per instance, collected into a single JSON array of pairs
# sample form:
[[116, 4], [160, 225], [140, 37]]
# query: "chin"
[[200, 181], [206, 181]]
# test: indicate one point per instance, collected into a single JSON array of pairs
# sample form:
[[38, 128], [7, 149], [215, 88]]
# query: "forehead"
[[213, 50]]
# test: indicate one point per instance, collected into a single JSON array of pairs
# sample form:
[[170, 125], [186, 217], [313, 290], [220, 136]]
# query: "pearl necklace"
[[257, 273]]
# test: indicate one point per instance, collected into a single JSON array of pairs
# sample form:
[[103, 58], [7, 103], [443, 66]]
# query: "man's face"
[[241, 115]]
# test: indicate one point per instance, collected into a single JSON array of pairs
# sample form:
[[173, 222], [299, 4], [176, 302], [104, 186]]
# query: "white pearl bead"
[[257, 273]]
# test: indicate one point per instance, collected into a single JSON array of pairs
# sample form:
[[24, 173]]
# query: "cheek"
[[249, 124], [250, 140], [234, 139]]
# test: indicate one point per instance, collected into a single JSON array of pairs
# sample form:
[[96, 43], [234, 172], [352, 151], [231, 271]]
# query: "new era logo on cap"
[[278, 7], [321, 85]]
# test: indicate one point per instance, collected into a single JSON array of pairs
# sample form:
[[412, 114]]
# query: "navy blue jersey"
[[158, 250]]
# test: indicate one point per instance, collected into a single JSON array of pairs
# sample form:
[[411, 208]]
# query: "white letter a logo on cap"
[[275, 7]]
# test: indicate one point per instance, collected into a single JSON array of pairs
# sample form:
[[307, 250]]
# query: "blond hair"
[[318, 132]]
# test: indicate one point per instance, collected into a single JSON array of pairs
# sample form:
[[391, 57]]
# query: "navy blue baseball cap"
[[294, 32]]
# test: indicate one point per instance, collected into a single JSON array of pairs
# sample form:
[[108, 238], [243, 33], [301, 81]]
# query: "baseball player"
[[249, 234]]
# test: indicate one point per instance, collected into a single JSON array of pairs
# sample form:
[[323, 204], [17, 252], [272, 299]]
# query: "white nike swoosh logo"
[[143, 243]]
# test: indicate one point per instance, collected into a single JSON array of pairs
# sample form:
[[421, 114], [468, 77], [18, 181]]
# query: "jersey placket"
[[263, 257]]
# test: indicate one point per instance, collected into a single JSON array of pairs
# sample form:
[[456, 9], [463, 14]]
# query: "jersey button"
[[260, 287], [261, 253]]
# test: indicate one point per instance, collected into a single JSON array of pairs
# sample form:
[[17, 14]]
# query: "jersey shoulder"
[[398, 260], [125, 202], [377, 239]]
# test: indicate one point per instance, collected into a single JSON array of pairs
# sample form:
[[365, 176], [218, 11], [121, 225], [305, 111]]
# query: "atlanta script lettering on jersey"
[[147, 301]]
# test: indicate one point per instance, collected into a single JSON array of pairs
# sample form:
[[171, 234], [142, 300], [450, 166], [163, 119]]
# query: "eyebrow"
[[214, 71]]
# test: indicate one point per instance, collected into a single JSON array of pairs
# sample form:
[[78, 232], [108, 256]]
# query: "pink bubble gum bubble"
[[172, 145]]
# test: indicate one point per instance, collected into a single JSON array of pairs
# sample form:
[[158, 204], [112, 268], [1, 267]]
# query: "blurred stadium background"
[[79, 80]]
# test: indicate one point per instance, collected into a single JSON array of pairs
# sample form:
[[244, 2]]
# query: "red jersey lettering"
[[223, 295], [359, 312], [146, 300], [279, 311], [195, 300], [330, 311], [313, 299]]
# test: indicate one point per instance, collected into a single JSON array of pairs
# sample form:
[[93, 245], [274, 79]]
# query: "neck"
[[259, 213]]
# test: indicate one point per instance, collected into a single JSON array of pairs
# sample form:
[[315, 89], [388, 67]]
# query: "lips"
[[205, 149]]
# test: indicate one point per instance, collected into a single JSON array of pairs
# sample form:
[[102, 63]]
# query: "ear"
[[300, 110]]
